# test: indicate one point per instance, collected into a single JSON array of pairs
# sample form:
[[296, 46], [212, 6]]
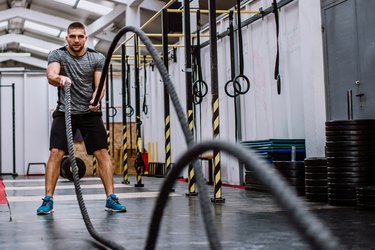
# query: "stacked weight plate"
[[366, 197], [294, 173], [316, 183], [350, 150]]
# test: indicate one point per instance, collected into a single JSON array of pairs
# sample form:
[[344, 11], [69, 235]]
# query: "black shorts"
[[90, 125]]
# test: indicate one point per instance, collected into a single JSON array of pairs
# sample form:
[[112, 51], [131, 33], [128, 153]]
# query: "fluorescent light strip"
[[35, 48], [3, 25], [88, 6], [41, 28]]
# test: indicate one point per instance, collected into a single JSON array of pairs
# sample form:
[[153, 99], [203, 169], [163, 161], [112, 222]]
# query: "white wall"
[[299, 112], [32, 131]]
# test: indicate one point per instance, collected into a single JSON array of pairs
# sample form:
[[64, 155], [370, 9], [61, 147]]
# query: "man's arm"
[[97, 75], [54, 77]]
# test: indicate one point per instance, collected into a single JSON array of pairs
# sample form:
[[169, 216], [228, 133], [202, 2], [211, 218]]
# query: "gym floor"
[[247, 219]]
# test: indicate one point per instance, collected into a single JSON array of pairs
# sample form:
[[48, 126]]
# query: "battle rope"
[[277, 66], [307, 224], [210, 228], [85, 215]]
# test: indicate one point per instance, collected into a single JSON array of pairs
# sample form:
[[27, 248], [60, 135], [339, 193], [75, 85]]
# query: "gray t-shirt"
[[80, 69]]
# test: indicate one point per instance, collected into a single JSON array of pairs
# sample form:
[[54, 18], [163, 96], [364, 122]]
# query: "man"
[[81, 67]]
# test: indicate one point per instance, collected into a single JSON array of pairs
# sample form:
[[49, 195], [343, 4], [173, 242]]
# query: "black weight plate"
[[364, 137], [289, 165], [349, 132], [252, 180], [370, 148], [255, 187], [366, 197], [349, 159], [322, 170], [314, 176], [370, 189], [316, 189], [341, 196], [348, 144], [363, 128], [365, 166], [315, 161], [296, 181], [332, 174], [317, 182], [341, 189], [332, 186], [342, 202], [317, 197], [349, 179], [346, 153], [365, 206], [350, 122], [292, 173]]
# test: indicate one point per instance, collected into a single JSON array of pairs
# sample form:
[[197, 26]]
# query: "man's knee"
[[56, 154]]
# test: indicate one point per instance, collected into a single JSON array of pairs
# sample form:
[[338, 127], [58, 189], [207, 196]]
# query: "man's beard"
[[79, 49]]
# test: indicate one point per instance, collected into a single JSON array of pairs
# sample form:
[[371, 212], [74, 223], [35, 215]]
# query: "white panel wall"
[[32, 131], [299, 112]]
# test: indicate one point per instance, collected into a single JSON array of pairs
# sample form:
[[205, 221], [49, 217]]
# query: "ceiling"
[[29, 29]]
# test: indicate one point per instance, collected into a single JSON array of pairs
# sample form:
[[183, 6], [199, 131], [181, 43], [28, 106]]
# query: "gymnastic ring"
[[197, 100], [203, 86], [114, 111], [236, 93], [129, 110], [247, 82]]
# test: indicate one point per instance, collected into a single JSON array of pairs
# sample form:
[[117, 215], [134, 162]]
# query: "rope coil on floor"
[[310, 228]]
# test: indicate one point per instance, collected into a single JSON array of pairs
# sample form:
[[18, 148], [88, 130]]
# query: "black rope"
[[277, 66], [307, 224], [81, 202]]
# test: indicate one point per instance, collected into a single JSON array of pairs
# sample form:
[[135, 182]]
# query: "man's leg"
[[53, 170], [105, 170]]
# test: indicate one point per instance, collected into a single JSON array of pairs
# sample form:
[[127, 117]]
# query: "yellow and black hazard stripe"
[[168, 160], [94, 165], [191, 174], [125, 155], [217, 166]]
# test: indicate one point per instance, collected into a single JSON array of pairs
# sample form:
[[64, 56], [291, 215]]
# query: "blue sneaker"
[[113, 205], [46, 207]]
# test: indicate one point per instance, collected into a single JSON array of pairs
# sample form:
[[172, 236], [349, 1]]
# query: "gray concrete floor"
[[247, 219]]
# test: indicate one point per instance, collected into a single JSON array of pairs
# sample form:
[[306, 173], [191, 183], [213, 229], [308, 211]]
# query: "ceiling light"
[[88, 6], [41, 28], [35, 48], [12, 54], [10, 69], [3, 25]]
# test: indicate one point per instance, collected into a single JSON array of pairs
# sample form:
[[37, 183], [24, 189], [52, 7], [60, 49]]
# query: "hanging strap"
[[144, 105], [200, 87], [129, 108], [241, 83], [277, 67]]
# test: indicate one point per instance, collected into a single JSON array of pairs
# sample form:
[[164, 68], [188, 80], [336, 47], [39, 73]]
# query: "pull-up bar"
[[203, 11], [174, 35]]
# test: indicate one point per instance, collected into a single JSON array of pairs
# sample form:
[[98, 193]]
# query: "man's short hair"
[[77, 25]]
